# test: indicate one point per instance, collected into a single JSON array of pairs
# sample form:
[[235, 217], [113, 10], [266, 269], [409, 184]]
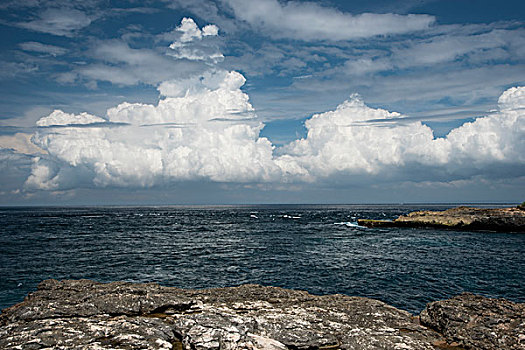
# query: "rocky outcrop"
[[476, 322], [500, 219], [89, 315]]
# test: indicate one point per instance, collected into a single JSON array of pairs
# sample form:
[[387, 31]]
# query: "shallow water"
[[314, 248]]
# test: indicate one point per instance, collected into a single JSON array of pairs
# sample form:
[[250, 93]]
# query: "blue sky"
[[234, 101]]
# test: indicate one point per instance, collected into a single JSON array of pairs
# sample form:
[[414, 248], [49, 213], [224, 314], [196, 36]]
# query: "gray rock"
[[97, 332], [476, 322], [89, 315]]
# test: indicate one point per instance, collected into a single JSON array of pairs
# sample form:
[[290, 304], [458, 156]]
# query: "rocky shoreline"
[[463, 218], [83, 314]]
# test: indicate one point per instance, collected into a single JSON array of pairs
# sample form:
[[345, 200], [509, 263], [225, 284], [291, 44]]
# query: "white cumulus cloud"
[[58, 117], [192, 43], [198, 135], [357, 139], [190, 31], [499, 137], [213, 95], [347, 140], [512, 99]]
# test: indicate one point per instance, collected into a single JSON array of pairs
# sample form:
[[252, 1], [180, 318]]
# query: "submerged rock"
[[499, 219], [89, 315]]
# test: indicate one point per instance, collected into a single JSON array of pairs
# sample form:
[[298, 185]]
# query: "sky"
[[264, 101]]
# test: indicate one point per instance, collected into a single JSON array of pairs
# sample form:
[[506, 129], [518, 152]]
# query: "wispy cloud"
[[34, 46], [61, 22], [311, 22], [12, 69], [118, 63], [192, 50]]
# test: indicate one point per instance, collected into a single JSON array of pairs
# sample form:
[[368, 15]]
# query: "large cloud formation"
[[357, 139], [211, 132], [207, 132], [204, 128]]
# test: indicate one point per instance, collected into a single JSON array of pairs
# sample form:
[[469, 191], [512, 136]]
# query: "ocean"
[[318, 248]]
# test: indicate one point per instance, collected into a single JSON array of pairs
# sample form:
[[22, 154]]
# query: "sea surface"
[[315, 248]]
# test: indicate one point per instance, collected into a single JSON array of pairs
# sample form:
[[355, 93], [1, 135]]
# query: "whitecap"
[[286, 216], [349, 224]]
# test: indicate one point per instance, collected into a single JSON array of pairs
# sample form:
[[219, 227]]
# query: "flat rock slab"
[[89, 315]]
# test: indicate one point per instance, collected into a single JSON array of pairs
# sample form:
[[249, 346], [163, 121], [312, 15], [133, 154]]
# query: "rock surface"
[[89, 315], [499, 219], [476, 322]]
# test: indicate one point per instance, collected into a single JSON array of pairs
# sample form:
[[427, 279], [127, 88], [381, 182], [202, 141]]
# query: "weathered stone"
[[84, 298], [499, 219], [476, 322], [97, 332], [89, 315]]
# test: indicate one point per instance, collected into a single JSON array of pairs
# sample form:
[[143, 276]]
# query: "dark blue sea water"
[[302, 247]]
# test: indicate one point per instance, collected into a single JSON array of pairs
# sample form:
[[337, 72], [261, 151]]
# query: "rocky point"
[[464, 218]]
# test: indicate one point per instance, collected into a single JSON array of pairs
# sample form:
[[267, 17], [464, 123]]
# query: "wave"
[[349, 224], [286, 216]]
